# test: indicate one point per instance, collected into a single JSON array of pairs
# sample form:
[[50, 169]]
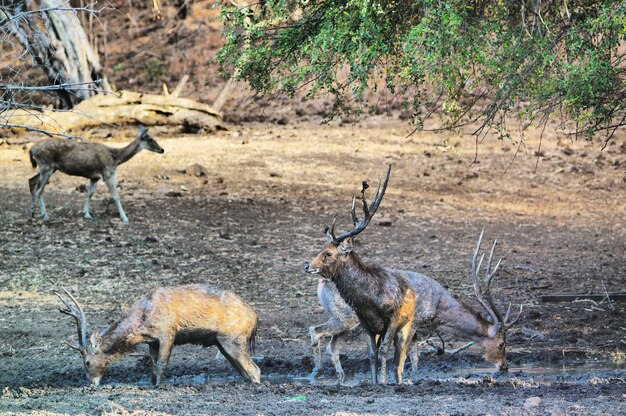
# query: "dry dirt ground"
[[257, 216]]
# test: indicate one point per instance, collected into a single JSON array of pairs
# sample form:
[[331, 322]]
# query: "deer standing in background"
[[93, 161], [436, 311], [382, 299], [164, 317]]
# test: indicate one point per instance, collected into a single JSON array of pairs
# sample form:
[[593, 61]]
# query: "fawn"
[[93, 161]]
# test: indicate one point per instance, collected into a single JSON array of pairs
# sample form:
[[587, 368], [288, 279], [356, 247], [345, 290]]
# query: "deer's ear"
[[143, 131], [95, 341], [329, 235], [493, 330], [346, 246]]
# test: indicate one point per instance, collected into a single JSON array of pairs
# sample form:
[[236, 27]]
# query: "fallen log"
[[125, 107], [570, 297]]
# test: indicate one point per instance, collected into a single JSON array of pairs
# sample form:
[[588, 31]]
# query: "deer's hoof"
[[125, 220], [87, 216], [45, 217], [313, 376]]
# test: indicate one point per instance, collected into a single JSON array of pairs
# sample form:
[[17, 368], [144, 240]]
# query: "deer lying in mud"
[[93, 161], [164, 317], [436, 311], [382, 299]]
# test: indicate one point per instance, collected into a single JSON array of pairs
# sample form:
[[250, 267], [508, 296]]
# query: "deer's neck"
[[460, 320], [118, 339], [126, 153], [371, 291]]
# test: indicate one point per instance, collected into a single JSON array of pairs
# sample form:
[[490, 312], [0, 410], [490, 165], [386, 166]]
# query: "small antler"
[[79, 315], [484, 296], [368, 211]]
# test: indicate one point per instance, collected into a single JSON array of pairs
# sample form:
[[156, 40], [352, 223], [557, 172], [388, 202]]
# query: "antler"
[[368, 211], [484, 296], [78, 314], [508, 324]]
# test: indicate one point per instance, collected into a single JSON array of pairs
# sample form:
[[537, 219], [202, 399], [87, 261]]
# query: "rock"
[[568, 151], [532, 402], [196, 170], [531, 333]]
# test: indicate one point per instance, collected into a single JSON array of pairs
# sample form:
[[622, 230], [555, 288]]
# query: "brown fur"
[[437, 311], [383, 300], [164, 317], [93, 161]]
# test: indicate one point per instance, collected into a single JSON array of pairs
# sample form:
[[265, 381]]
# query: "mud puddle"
[[574, 374], [578, 373]]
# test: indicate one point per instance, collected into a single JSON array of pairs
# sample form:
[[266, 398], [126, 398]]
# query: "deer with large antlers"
[[93, 161], [382, 299], [164, 317], [436, 312]]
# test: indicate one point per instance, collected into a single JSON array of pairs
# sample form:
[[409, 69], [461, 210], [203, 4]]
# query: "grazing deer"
[[164, 317], [382, 299], [436, 311], [93, 161]]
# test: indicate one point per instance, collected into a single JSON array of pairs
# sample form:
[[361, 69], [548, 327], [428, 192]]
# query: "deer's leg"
[[154, 356], [111, 182], [237, 354], [90, 190], [32, 185], [44, 177], [441, 350], [317, 352], [401, 344], [163, 358], [319, 332], [385, 347], [414, 354], [334, 350], [373, 353]]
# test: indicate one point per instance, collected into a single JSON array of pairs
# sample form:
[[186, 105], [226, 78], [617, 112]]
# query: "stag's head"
[[94, 360], [494, 343], [336, 253], [146, 142]]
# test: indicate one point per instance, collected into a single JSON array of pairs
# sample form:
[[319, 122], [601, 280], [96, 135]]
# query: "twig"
[[180, 86], [34, 129], [608, 298], [461, 348]]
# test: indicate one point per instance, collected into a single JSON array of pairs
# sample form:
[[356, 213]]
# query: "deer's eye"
[[328, 254], [501, 344], [87, 364]]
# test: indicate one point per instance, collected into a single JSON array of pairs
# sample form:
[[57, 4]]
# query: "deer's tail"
[[32, 159]]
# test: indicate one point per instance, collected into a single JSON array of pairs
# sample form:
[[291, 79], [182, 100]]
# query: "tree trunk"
[[60, 48], [127, 107]]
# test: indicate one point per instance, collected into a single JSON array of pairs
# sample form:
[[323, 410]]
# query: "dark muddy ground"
[[258, 215]]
